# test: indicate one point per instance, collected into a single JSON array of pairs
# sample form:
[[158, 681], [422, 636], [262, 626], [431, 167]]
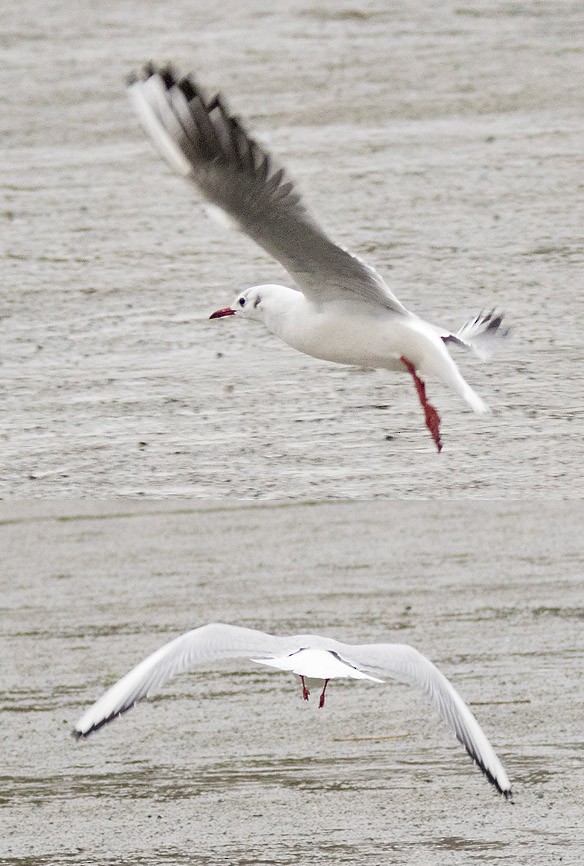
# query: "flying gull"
[[311, 657], [340, 309]]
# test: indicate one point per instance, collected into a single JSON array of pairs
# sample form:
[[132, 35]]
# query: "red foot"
[[321, 699], [305, 692], [430, 413]]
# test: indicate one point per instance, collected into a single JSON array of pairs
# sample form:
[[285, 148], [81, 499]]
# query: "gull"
[[340, 309], [310, 657]]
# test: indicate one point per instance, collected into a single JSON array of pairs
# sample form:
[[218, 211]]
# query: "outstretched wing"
[[203, 141], [205, 644], [406, 664]]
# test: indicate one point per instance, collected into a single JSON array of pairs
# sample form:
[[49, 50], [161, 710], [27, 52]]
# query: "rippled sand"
[[442, 143]]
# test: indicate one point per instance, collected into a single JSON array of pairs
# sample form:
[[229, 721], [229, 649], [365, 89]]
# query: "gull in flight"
[[341, 309], [310, 657]]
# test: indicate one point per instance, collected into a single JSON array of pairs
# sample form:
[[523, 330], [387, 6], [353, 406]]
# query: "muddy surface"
[[441, 141], [228, 764]]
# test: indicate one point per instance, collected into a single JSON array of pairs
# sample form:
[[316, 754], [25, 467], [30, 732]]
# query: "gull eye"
[[242, 302]]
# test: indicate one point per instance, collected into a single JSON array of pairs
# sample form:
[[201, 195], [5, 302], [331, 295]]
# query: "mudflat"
[[228, 764], [442, 143]]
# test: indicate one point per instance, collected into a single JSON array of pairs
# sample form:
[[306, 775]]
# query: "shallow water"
[[228, 764], [443, 142]]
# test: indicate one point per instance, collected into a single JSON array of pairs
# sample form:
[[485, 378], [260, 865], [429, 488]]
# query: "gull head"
[[246, 304], [257, 303]]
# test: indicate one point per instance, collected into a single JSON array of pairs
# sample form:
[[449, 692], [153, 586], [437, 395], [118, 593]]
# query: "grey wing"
[[204, 142], [406, 664], [205, 644]]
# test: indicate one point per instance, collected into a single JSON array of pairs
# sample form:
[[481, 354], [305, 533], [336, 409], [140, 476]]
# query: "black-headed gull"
[[342, 310], [310, 657]]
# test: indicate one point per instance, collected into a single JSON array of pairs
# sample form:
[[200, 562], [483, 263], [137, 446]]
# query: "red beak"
[[218, 314]]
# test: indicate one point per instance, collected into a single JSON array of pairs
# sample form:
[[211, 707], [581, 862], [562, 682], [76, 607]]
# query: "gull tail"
[[439, 362], [483, 335], [476, 403]]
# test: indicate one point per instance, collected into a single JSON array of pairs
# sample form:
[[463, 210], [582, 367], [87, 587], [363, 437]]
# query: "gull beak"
[[218, 314]]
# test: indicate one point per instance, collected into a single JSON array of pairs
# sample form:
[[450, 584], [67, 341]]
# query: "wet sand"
[[444, 144], [228, 764]]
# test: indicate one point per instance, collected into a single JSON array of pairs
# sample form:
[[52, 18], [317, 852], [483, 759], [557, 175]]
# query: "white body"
[[316, 664], [346, 332]]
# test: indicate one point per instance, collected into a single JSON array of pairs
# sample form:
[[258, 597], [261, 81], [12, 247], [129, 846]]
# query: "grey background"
[[441, 141]]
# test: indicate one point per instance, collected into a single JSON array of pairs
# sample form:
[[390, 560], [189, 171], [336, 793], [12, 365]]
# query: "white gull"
[[310, 657], [341, 309]]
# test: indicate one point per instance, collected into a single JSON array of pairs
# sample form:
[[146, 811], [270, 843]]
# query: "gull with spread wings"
[[310, 657], [340, 309]]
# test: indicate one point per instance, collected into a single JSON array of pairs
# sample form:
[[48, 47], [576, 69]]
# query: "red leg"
[[321, 701], [431, 415], [305, 692]]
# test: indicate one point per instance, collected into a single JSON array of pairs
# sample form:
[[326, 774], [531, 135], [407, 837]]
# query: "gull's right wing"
[[208, 643]]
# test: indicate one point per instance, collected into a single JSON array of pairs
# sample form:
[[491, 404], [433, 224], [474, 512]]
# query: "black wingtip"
[[476, 759], [168, 75], [78, 735], [147, 71], [219, 102], [188, 87]]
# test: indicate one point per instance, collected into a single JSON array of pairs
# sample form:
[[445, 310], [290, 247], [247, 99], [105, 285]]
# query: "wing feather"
[[203, 141], [201, 645]]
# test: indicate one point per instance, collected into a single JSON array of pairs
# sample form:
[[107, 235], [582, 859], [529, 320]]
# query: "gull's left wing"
[[406, 664]]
